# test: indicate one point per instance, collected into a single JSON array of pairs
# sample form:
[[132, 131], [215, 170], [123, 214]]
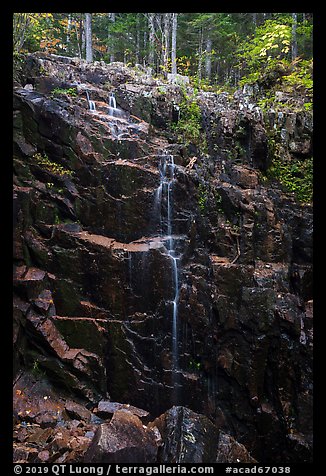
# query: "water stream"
[[91, 104], [113, 110], [164, 207]]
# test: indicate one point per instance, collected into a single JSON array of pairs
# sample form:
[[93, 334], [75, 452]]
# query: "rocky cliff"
[[107, 308]]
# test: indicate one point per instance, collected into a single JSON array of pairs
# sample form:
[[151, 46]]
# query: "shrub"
[[52, 167], [295, 176], [60, 91], [189, 128]]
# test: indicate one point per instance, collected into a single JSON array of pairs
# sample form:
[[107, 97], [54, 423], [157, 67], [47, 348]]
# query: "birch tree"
[[208, 57], [174, 43], [110, 48], [151, 54], [88, 37]]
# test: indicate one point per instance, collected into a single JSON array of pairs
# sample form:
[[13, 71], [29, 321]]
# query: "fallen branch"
[[238, 251], [191, 163]]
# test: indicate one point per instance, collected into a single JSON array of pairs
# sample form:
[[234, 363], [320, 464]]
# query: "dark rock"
[[75, 410], [41, 436], [23, 453], [91, 241], [186, 437], [123, 440], [106, 409], [43, 456], [230, 451]]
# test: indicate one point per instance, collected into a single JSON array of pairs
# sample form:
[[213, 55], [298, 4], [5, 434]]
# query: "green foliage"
[[218, 201], [243, 44], [300, 77], [189, 127], [271, 41], [308, 106], [195, 365], [36, 370], [57, 220], [202, 195], [69, 91], [52, 167], [295, 176], [265, 57]]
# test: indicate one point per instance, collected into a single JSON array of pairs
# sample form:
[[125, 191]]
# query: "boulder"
[[106, 409], [123, 440], [187, 437], [230, 451], [77, 411]]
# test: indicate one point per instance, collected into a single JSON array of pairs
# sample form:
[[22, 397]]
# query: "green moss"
[[202, 195], [69, 91], [295, 176]]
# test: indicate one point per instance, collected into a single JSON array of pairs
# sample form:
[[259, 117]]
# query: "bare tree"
[[88, 37], [110, 48], [208, 57], [68, 32], [138, 39], [151, 55], [254, 20], [166, 40], [200, 55], [174, 42]]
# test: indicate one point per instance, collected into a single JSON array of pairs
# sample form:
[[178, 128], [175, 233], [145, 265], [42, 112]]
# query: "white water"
[[91, 104], [164, 208], [113, 110]]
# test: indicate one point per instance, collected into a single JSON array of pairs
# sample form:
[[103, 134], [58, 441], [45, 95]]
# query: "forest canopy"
[[213, 49]]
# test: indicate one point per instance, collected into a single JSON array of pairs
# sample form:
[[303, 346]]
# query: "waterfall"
[[113, 109], [112, 101], [91, 104], [164, 197]]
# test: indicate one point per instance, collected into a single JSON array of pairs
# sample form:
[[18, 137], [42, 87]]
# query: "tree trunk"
[[20, 26], [145, 46], [208, 58], [88, 37], [151, 54], [174, 42], [110, 48], [294, 44], [112, 55], [254, 20], [68, 32], [138, 39], [166, 45], [81, 36], [200, 56]]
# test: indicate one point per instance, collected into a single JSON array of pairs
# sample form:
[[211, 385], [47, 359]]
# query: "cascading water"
[[113, 109], [91, 104], [164, 200]]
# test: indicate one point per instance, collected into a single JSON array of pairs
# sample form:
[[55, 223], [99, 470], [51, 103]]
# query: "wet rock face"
[[95, 282], [187, 437]]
